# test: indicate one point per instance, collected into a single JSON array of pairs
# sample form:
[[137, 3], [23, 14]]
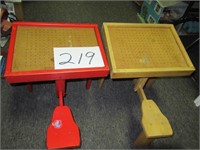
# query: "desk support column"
[[147, 82], [60, 88], [141, 94], [140, 83], [61, 98], [155, 125], [101, 81], [150, 82], [88, 83], [142, 140]]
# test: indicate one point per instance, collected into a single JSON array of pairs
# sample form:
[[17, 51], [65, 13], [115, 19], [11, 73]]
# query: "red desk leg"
[[88, 84], [60, 88], [61, 98]]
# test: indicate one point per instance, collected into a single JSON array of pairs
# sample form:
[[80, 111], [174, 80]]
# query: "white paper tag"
[[77, 57]]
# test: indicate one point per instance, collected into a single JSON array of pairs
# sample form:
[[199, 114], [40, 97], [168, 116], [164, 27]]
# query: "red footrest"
[[63, 132]]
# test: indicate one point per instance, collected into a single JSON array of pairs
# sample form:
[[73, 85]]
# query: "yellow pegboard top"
[[144, 46], [34, 45]]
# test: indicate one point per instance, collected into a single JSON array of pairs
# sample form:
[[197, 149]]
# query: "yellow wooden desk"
[[145, 51]]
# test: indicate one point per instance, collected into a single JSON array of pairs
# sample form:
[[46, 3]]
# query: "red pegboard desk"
[[30, 55], [31, 58]]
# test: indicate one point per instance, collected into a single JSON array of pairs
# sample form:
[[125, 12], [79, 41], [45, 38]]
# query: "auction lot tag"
[[77, 57]]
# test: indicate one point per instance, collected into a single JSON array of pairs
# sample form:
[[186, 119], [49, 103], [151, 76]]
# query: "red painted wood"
[[88, 84], [63, 132], [46, 75], [60, 88]]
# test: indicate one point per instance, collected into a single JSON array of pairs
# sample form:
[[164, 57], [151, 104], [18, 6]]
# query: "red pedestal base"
[[63, 132]]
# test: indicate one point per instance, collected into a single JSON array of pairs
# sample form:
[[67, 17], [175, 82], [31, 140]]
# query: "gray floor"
[[108, 118]]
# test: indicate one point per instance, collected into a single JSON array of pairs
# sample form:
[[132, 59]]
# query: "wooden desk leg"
[[150, 82], [141, 94], [142, 140], [135, 81], [101, 81], [30, 87], [61, 103], [140, 83], [60, 88], [88, 83]]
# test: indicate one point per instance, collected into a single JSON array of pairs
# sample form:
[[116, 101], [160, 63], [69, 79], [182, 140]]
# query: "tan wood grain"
[[34, 45], [145, 50], [155, 124]]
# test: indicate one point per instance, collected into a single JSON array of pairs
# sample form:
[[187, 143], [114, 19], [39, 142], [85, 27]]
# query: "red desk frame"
[[58, 75]]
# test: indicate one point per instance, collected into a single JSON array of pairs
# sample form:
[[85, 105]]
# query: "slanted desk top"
[[145, 50]]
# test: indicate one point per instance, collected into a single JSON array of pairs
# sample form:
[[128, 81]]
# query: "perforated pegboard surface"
[[144, 47], [33, 48]]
